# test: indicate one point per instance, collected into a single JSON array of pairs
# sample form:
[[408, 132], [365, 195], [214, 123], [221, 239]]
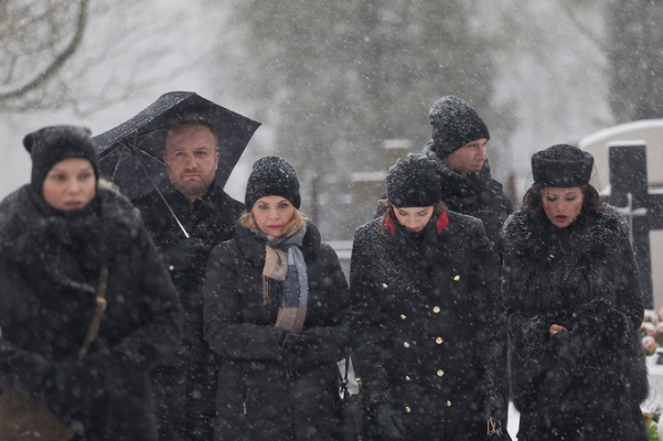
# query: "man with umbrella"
[[185, 385], [187, 214]]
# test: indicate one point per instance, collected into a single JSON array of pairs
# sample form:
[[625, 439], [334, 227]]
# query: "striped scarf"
[[284, 280]]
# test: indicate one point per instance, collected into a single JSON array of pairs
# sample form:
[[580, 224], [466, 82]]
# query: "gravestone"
[[629, 192], [629, 160]]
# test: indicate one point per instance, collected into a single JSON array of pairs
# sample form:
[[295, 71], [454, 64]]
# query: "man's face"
[[191, 159], [468, 158]]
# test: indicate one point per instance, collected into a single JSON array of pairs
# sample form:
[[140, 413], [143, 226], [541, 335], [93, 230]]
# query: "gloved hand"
[[495, 413], [389, 422], [495, 408], [187, 255], [69, 388]]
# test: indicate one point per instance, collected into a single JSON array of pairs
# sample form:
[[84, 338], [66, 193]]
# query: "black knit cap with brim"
[[272, 176], [413, 182], [50, 145], [562, 165], [455, 123]]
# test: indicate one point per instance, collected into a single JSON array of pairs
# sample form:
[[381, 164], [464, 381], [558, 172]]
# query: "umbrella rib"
[[156, 187], [117, 164]]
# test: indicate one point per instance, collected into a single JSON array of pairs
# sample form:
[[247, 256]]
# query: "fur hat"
[[562, 165], [50, 145], [413, 182], [272, 176], [455, 124]]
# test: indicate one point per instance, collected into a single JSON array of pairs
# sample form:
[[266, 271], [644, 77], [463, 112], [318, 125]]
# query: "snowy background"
[[330, 82]]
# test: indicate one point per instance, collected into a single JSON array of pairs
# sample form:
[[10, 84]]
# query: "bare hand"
[[554, 329]]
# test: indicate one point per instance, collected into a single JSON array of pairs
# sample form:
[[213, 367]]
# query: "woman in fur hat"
[[275, 304], [574, 307], [426, 323], [70, 249]]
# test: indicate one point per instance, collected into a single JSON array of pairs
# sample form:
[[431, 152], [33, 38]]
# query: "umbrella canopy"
[[131, 153]]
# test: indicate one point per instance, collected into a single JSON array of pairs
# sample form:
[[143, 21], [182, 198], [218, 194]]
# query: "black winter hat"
[[50, 145], [455, 124], [272, 176], [562, 165], [413, 182]]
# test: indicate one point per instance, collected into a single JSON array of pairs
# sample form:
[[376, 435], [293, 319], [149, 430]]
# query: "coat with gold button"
[[426, 323]]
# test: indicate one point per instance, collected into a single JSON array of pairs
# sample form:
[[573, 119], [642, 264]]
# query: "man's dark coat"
[[185, 385]]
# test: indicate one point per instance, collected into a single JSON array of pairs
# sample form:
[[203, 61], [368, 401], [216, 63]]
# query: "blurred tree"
[[36, 39], [51, 60], [337, 78], [636, 59]]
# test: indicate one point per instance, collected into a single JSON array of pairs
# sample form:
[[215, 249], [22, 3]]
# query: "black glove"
[[187, 255], [69, 389], [389, 422], [495, 408]]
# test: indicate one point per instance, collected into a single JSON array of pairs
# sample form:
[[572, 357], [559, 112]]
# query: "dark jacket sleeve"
[[491, 330], [369, 330], [224, 329], [333, 335], [19, 369], [161, 309]]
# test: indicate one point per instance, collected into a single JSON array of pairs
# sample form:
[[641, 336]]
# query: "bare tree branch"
[[58, 62]]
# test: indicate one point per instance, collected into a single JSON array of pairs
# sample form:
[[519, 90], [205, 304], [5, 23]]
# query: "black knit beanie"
[[50, 145], [413, 182], [455, 124], [562, 165], [272, 176]]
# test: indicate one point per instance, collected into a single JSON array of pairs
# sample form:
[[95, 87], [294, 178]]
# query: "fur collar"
[[39, 238], [549, 268]]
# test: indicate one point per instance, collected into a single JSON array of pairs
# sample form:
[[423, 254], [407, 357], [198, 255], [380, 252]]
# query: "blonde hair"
[[298, 219]]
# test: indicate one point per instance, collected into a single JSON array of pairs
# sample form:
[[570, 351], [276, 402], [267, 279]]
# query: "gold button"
[[439, 340], [456, 277], [440, 373], [407, 378], [436, 309], [403, 317], [448, 403], [407, 409], [406, 345], [385, 286]]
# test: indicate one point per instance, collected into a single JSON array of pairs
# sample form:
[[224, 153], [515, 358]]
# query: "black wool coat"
[[589, 383], [426, 334], [476, 195], [185, 384], [49, 273], [259, 396]]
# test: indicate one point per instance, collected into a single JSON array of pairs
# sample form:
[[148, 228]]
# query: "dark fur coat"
[[590, 382], [49, 273]]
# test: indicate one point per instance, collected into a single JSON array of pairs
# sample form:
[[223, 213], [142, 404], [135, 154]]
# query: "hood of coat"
[[41, 239], [253, 246], [462, 189], [552, 267]]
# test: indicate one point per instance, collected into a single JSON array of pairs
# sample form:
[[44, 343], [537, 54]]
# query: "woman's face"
[[70, 184], [414, 218], [562, 205], [272, 213]]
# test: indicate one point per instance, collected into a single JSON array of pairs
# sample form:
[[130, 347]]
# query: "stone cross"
[[629, 192]]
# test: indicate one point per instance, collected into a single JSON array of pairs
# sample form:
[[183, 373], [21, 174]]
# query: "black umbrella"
[[131, 152]]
